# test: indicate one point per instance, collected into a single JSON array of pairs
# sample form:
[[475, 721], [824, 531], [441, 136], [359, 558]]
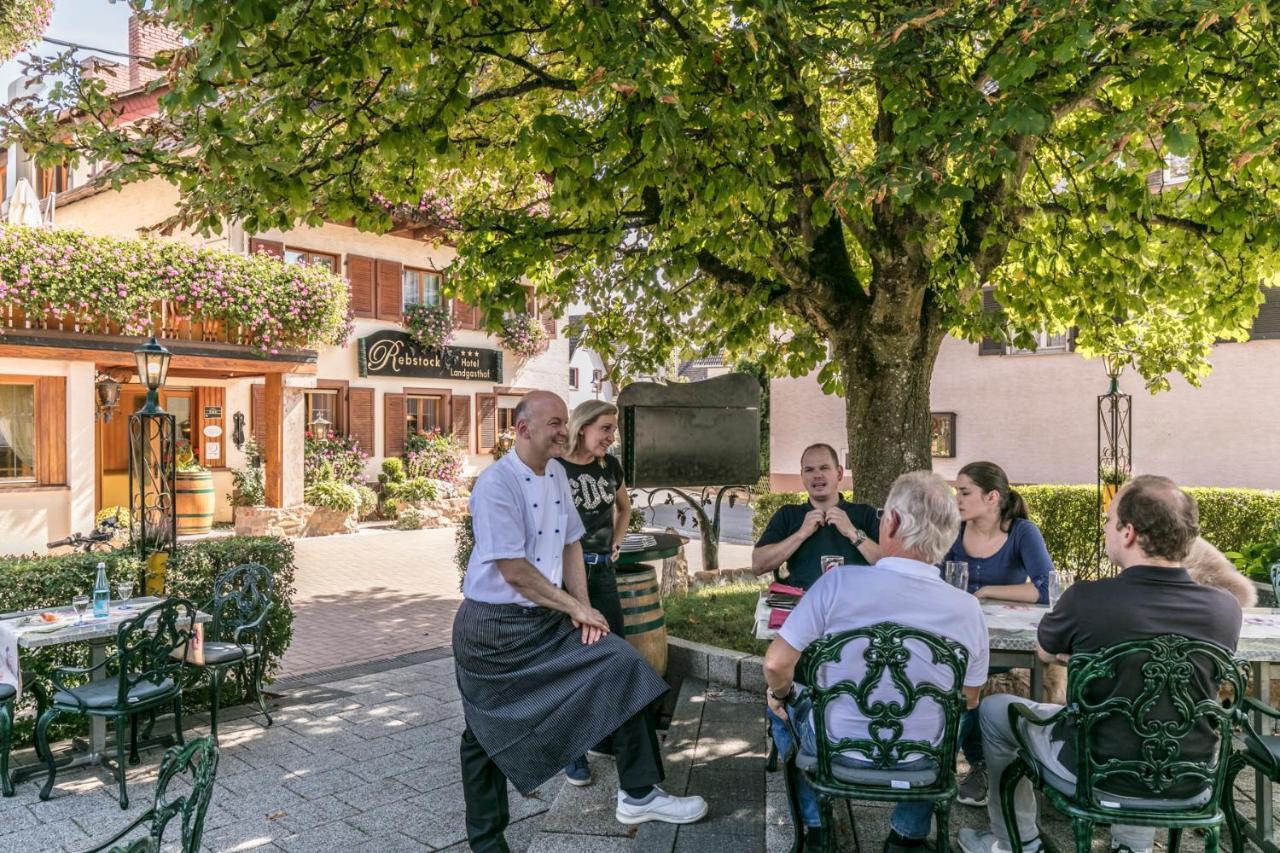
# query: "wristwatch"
[[859, 537], [785, 698]]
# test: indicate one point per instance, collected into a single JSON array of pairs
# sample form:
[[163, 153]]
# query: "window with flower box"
[[312, 259], [421, 287]]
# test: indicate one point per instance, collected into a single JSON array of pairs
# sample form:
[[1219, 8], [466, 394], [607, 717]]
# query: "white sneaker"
[[973, 841], [662, 806]]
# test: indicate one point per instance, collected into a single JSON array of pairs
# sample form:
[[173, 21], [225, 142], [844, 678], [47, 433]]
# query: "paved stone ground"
[[374, 594], [368, 761]]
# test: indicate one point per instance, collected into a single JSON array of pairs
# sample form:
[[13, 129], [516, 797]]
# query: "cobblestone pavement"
[[374, 594]]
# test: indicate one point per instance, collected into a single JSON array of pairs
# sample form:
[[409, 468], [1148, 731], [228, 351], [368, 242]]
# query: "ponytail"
[[1012, 506]]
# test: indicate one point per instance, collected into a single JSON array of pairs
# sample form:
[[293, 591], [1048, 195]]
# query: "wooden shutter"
[[360, 276], [271, 247], [486, 422], [360, 418], [393, 425], [467, 316], [207, 396], [51, 430], [990, 346], [390, 288], [1266, 326], [258, 415], [462, 419]]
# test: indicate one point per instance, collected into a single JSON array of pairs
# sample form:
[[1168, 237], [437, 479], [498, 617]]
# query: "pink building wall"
[[1035, 415]]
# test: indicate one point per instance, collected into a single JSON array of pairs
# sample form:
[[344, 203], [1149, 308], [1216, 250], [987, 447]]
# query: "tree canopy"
[[803, 184]]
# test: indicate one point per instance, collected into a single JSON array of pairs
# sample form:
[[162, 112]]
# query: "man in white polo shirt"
[[919, 523]]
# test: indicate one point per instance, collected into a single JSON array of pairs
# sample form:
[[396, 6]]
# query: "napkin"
[[10, 671], [779, 587], [777, 617]]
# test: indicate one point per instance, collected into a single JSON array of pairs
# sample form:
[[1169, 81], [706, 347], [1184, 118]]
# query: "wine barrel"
[[644, 623], [194, 501]]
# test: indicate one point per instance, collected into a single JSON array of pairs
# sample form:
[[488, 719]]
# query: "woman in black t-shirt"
[[600, 496]]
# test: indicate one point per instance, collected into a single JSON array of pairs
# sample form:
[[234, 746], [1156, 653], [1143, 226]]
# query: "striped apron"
[[534, 696]]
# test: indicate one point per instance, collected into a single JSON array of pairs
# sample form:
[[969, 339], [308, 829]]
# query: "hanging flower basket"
[[431, 326], [523, 335], [21, 23]]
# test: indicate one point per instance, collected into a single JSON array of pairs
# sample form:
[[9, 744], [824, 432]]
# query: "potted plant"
[[523, 335], [194, 499], [1111, 477], [430, 326]]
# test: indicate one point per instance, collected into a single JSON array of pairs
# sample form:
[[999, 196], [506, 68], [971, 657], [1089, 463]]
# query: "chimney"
[[146, 40]]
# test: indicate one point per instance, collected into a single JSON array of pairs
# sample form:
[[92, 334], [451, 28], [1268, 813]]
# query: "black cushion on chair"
[[7, 692], [217, 652], [915, 777], [103, 694]]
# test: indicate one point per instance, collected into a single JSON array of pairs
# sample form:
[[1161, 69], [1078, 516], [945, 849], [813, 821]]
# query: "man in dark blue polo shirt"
[[800, 535]]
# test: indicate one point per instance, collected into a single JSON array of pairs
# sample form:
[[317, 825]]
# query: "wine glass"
[[80, 603]]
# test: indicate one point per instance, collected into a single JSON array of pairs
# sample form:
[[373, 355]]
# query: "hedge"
[[34, 582], [1067, 516]]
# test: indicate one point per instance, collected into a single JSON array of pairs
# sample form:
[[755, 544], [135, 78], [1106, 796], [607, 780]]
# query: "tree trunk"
[[887, 374]]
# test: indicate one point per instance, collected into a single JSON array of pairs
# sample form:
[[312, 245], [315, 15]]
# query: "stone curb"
[[712, 664]]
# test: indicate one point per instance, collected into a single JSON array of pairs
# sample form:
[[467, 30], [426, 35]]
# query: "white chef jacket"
[[516, 513]]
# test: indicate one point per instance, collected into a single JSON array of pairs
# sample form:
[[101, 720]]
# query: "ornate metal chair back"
[[199, 759], [241, 601], [1175, 701], [886, 656], [146, 643]]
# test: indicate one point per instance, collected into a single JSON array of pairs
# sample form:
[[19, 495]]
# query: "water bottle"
[[101, 594]]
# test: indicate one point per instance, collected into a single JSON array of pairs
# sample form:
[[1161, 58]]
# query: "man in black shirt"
[[800, 535], [1151, 527]]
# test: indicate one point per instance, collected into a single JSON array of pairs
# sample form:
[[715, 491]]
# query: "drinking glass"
[[1058, 582], [830, 561], [957, 574], [124, 590], [80, 603]]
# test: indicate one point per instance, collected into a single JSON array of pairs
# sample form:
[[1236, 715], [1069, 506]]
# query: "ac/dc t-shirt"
[[594, 487]]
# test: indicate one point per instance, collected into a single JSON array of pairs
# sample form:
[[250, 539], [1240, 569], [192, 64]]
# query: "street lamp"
[[153, 465], [320, 427], [153, 369]]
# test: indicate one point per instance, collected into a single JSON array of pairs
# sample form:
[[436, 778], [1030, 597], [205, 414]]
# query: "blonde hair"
[[584, 415]]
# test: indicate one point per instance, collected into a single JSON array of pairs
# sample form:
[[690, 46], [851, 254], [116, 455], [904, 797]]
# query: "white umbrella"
[[24, 207]]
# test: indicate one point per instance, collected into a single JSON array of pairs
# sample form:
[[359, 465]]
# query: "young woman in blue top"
[[1008, 561]]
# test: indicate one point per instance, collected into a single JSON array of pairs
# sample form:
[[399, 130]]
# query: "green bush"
[[37, 582], [392, 471], [417, 489], [333, 495], [368, 501], [410, 519], [466, 539], [1230, 519]]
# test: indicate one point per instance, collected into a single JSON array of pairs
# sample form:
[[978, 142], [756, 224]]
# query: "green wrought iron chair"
[[199, 758], [1185, 791], [1275, 582], [236, 636], [831, 773], [1262, 753], [142, 675], [7, 695]]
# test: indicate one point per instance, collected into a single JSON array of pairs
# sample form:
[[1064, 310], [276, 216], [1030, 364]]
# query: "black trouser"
[[602, 591], [485, 788]]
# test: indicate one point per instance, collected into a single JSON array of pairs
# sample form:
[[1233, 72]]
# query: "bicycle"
[[87, 544]]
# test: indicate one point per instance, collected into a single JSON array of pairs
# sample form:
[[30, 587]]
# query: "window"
[[17, 433], [573, 378], [52, 179], [421, 287], [302, 256], [506, 413], [1177, 170], [1046, 342], [424, 414], [323, 403], [597, 379], [942, 435]]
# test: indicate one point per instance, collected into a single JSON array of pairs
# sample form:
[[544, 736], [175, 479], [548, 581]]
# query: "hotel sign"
[[389, 353]]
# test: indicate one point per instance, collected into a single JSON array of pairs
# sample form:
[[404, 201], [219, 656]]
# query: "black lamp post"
[[152, 461], [1115, 442]]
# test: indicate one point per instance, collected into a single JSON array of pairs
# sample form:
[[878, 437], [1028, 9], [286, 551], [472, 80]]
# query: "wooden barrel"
[[644, 623], [194, 502]]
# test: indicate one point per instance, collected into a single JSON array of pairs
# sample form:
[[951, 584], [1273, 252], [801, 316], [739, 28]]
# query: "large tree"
[[805, 184]]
